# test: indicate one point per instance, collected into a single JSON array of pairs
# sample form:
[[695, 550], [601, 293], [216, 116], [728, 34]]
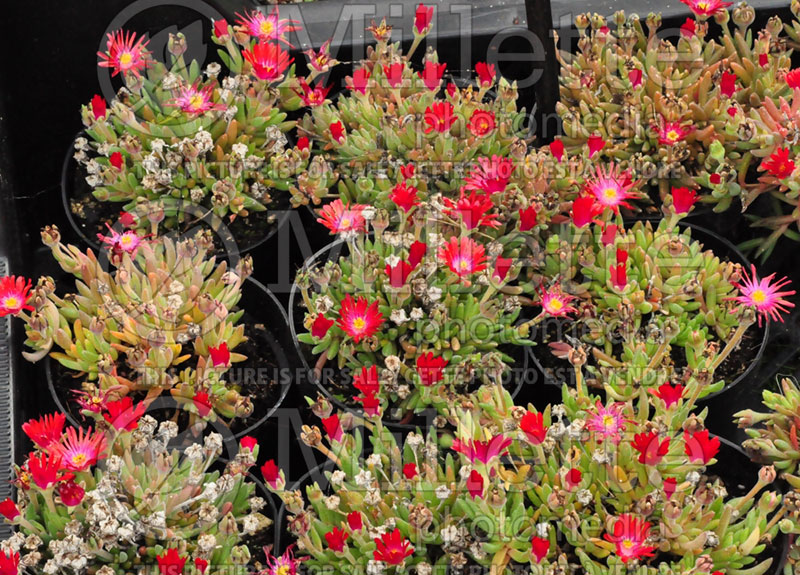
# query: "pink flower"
[[342, 218], [540, 547], [360, 81], [486, 73], [127, 242], [670, 133], [286, 564], [333, 428], [475, 484], [706, 7], [763, 60], [473, 210], [630, 534], [430, 368], [124, 53], [607, 422], [683, 199], [269, 61], [651, 451], [464, 258], [554, 302], [311, 96], [321, 326], [422, 19], [359, 318], [483, 451], [490, 175], [431, 74], [337, 132], [196, 101], [266, 28], [610, 187], [557, 149], [584, 210], [595, 143], [635, 77], [618, 273], [220, 355], [99, 109], [321, 61], [764, 295], [404, 196], [727, 84], [80, 450], [14, 295], [700, 447], [439, 117]]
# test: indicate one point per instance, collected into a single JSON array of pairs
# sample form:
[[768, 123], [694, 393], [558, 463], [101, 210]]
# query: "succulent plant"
[[118, 498], [183, 141], [580, 486], [137, 316]]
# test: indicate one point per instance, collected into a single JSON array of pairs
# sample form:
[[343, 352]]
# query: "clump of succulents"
[[670, 109], [394, 115], [773, 434], [118, 497], [134, 323], [650, 304], [580, 486], [177, 137]]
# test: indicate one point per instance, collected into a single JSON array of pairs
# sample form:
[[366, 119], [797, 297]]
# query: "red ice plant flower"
[[311, 96], [336, 539], [481, 123], [9, 562], [610, 187], [170, 562], [778, 164], [475, 484], [540, 547], [286, 564], [341, 218], [99, 108], [271, 474], [792, 78], [439, 117], [9, 509], [483, 451], [44, 469], [122, 415], [394, 74], [392, 548], [337, 132], [46, 430], [501, 267], [266, 27], [333, 427], [398, 273], [490, 175], [607, 422], [608, 234], [486, 73], [584, 210], [220, 355], [202, 403], [431, 74], [532, 425], [127, 242], [116, 160], [573, 478], [269, 61], [71, 493], [416, 252], [321, 326], [248, 442], [727, 85], [354, 521], [700, 447], [404, 195], [670, 484], [201, 565], [194, 100], [619, 273], [527, 218], [80, 450], [422, 19], [764, 295], [410, 470], [360, 81], [14, 295], [595, 143], [651, 451], [554, 302], [221, 29], [689, 28], [359, 318], [683, 199], [635, 77], [706, 7], [367, 381], [303, 143], [124, 53], [464, 257], [430, 368], [629, 536], [472, 210], [669, 394], [670, 133], [321, 61]]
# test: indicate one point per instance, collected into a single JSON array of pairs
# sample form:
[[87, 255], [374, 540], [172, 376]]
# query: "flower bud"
[[50, 235], [743, 15], [176, 44], [767, 474]]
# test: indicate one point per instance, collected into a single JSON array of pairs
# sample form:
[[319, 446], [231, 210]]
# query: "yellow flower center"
[[610, 193], [702, 5], [11, 302], [79, 459], [556, 305], [283, 570], [359, 324], [125, 59], [463, 264], [266, 27], [345, 223], [673, 136], [608, 421], [196, 102], [126, 240], [759, 296], [627, 544]]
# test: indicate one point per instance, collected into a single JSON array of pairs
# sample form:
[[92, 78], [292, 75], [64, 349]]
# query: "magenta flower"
[[483, 451], [764, 295]]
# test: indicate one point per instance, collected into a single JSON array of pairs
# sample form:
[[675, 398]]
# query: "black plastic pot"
[[260, 306], [226, 235], [726, 250], [423, 420]]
